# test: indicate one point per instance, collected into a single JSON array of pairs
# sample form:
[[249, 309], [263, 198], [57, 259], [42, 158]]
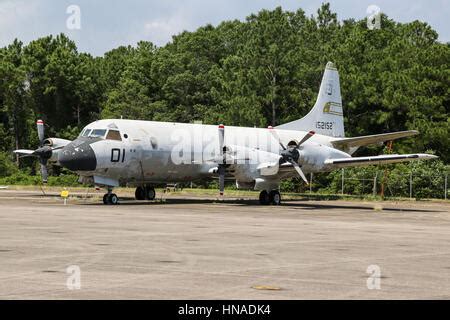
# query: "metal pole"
[[343, 177], [445, 187], [310, 183], [410, 185], [375, 185]]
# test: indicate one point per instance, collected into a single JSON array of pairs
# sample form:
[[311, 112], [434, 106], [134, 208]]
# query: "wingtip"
[[427, 156]]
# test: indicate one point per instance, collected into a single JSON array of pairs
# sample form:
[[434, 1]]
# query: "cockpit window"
[[97, 133], [113, 135], [86, 132]]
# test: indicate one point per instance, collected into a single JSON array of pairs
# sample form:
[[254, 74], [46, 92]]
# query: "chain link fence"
[[413, 185]]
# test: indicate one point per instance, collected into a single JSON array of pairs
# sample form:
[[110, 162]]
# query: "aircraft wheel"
[[275, 197], [105, 199], [113, 199], [264, 198], [150, 193], [139, 194]]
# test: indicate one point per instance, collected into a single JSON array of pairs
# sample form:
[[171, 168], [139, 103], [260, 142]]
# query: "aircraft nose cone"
[[78, 157]]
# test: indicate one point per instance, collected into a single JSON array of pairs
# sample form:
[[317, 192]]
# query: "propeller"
[[43, 152], [225, 158], [291, 153]]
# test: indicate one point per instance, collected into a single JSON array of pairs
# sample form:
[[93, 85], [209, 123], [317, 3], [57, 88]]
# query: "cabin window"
[[86, 132], [113, 135], [97, 133]]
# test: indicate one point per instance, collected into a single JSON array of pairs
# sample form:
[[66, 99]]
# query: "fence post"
[[410, 185], [445, 186], [342, 186], [375, 184]]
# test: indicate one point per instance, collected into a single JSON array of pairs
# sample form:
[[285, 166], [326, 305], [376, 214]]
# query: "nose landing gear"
[[110, 198], [273, 197]]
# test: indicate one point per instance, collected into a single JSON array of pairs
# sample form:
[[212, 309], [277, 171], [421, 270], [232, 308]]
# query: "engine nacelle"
[[245, 185], [56, 144], [262, 184]]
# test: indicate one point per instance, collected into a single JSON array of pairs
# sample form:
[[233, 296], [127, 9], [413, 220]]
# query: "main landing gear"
[[141, 193], [145, 193], [110, 198], [273, 197]]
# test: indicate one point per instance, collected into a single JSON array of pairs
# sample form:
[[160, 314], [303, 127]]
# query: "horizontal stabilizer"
[[347, 143], [384, 159]]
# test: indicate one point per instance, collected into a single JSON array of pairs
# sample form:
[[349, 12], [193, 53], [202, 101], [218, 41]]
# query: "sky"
[[104, 25]]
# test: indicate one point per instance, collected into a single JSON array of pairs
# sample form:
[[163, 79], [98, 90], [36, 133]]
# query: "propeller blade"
[[221, 138], [44, 173], [40, 130], [308, 136], [221, 180], [24, 152], [277, 137], [26, 156], [299, 171]]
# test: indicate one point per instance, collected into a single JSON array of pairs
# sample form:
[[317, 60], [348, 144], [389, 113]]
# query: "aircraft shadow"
[[246, 202], [294, 204]]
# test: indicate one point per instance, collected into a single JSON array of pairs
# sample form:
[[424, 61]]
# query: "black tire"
[[113, 199], [150, 193], [105, 199], [139, 194], [264, 198], [275, 197]]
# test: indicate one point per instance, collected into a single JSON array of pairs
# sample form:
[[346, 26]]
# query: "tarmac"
[[203, 248]]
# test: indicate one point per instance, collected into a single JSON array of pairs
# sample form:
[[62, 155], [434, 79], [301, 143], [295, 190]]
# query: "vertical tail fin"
[[326, 117]]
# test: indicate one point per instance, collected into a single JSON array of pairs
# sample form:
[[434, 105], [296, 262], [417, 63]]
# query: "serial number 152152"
[[324, 125]]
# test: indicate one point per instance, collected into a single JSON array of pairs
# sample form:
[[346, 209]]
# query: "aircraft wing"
[[347, 143], [384, 159]]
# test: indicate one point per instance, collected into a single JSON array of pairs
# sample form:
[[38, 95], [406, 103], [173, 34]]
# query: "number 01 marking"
[[115, 155]]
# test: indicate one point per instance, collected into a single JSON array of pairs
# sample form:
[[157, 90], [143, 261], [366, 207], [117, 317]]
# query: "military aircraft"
[[114, 152]]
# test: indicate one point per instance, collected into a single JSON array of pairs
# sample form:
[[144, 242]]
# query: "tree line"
[[263, 71]]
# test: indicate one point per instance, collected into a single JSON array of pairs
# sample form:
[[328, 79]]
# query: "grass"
[[232, 193]]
